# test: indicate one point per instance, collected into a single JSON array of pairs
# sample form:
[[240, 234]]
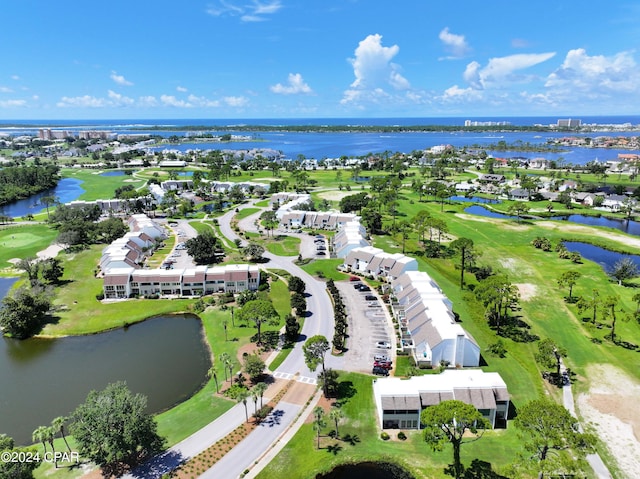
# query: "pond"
[[67, 189], [627, 226], [113, 173], [482, 211], [603, 257], [165, 358], [367, 470], [473, 199]]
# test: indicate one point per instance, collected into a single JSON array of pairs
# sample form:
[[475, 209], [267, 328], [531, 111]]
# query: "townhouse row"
[[122, 283], [121, 266]]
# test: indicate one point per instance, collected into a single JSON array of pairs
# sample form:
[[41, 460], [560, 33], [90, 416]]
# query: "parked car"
[[381, 357], [380, 371], [364, 288], [357, 286], [354, 278], [382, 364], [370, 297], [383, 345]]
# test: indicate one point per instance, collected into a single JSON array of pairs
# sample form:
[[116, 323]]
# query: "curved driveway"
[[319, 320]]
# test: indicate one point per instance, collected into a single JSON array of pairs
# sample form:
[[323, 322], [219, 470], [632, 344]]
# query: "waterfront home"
[[125, 282]]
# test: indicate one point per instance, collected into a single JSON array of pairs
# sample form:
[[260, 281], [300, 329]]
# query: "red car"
[[382, 364], [354, 278]]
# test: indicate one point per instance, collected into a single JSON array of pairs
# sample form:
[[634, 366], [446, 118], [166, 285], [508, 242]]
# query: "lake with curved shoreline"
[[165, 358], [67, 189]]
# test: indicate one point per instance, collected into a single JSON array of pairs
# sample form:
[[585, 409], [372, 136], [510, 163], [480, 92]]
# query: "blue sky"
[[72, 59]]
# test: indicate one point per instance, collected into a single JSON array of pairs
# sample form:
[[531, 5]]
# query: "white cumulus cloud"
[[85, 101], [596, 74], [502, 69], [170, 100], [12, 103], [5, 89], [119, 100], [375, 74], [202, 101], [181, 89], [120, 79], [295, 84], [236, 101], [456, 45]]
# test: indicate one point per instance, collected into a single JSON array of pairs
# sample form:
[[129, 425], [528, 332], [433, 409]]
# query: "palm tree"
[[241, 396], [224, 358], [260, 389], [58, 425], [213, 373], [254, 396], [335, 415], [49, 435], [39, 435], [319, 422]]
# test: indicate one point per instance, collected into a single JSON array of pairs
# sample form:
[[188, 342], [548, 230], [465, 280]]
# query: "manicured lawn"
[[98, 187], [300, 459], [505, 245], [325, 268], [282, 245], [79, 312], [244, 212], [23, 241]]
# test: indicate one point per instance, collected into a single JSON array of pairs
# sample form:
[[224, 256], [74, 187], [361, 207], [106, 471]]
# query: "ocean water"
[[351, 144]]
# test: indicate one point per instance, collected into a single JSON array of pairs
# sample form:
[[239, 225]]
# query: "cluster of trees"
[[79, 226], [498, 295], [258, 312], [16, 469], [206, 248], [269, 220], [253, 252], [110, 428], [25, 311], [254, 367], [297, 288], [18, 182], [340, 316], [314, 349], [335, 415], [550, 434], [543, 243]]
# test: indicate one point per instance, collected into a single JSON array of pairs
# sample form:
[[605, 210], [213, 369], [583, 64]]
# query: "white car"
[[383, 345]]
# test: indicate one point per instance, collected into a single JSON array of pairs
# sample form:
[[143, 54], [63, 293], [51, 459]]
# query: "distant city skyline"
[[317, 59]]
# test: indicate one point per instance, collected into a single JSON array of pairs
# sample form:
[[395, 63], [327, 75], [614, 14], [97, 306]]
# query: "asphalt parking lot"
[[179, 257], [369, 322]]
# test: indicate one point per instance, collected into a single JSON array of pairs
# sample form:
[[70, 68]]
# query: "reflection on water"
[[164, 358], [473, 199], [604, 257], [68, 189], [627, 226]]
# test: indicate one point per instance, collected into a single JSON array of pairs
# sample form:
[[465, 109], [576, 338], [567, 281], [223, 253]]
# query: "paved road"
[[255, 444], [319, 320], [594, 460]]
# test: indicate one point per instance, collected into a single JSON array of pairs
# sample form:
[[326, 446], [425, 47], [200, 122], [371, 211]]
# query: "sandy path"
[[611, 409]]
